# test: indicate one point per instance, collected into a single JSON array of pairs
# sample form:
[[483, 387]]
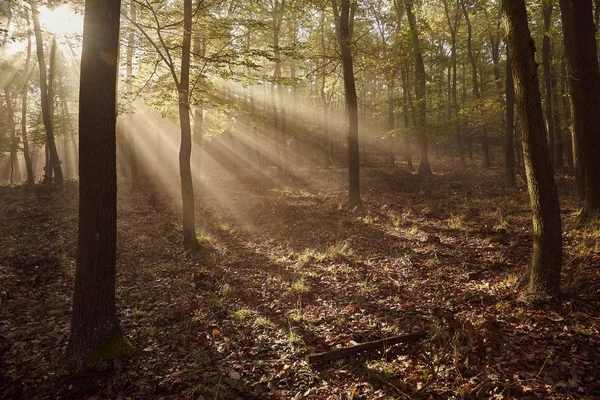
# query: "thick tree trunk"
[[343, 22], [509, 150], [424, 166], [546, 260], [95, 332], [584, 78], [190, 240], [54, 161]]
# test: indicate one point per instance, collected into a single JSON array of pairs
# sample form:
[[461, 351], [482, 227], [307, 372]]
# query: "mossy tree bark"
[[584, 86], [344, 16], [94, 324], [544, 272]]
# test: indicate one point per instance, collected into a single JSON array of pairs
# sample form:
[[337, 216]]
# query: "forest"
[[299, 199]]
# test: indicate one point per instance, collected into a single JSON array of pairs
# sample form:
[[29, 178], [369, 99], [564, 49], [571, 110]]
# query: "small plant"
[[309, 256], [242, 314], [299, 288], [262, 322], [339, 250], [205, 238], [455, 222], [365, 287], [415, 230], [432, 262], [295, 339], [226, 290], [296, 316]]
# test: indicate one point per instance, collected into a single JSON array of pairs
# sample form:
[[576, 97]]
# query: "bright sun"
[[61, 20]]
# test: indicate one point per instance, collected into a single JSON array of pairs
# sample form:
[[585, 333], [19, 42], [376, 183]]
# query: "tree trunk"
[[129, 128], [546, 62], [558, 129], [424, 166], [95, 333], [54, 161], [190, 241], [509, 150], [27, 71], [546, 260], [14, 169], [343, 24], [584, 78], [405, 100], [391, 121]]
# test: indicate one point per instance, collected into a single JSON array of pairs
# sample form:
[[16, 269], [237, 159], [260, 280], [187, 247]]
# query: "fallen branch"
[[375, 345]]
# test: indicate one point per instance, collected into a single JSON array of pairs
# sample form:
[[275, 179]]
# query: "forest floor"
[[288, 270]]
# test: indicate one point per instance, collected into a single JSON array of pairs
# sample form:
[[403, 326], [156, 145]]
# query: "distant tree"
[[24, 91], [544, 271], [509, 149], [344, 22], [46, 99], [584, 86], [547, 7], [181, 82], [129, 132], [95, 331], [421, 98]]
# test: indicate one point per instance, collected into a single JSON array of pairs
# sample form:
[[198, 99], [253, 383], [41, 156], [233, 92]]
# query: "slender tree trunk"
[[558, 129], [391, 121], [546, 63], [95, 333], [343, 21], [129, 128], [14, 169], [54, 161], [27, 71], [405, 106], [424, 166], [584, 78], [190, 240], [509, 150], [546, 260], [328, 142]]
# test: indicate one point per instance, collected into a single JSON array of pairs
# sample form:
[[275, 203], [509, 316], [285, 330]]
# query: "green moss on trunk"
[[117, 347]]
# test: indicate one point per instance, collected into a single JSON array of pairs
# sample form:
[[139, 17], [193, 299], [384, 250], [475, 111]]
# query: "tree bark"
[[420, 121], [584, 83], [45, 98], [190, 241], [129, 129], [27, 71], [343, 25], [544, 270], [95, 332], [546, 63], [14, 169], [509, 148]]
